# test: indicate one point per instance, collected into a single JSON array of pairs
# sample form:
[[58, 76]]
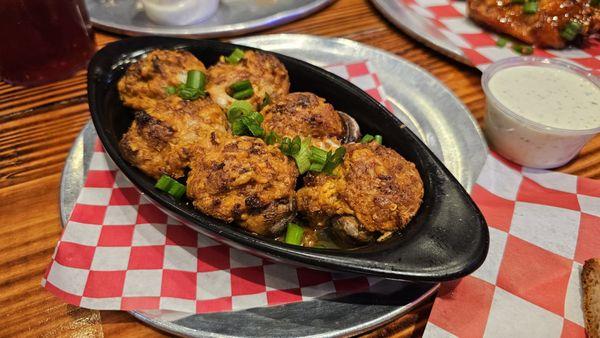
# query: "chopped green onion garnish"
[[244, 94], [294, 234], [334, 160], [317, 167], [530, 7], [253, 125], [234, 114], [594, 3], [318, 155], [367, 138], [192, 89], [238, 127], [195, 79], [236, 56], [177, 190], [571, 30], [517, 1], [522, 49], [370, 138], [237, 109], [272, 138], [502, 41], [240, 85], [243, 119], [285, 145], [255, 116], [302, 157], [170, 186], [265, 102], [295, 145], [188, 93], [163, 183]]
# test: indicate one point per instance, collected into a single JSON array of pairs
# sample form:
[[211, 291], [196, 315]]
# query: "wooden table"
[[38, 125]]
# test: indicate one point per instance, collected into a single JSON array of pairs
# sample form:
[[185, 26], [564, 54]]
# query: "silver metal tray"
[[419, 100], [419, 28], [234, 17]]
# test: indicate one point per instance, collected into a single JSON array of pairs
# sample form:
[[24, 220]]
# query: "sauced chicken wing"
[[160, 138], [244, 180], [305, 115], [541, 28], [265, 72], [145, 81], [374, 191]]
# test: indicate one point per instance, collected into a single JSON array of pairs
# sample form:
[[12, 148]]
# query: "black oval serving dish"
[[447, 238]]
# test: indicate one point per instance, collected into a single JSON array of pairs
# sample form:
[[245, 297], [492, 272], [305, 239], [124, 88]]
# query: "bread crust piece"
[[590, 280]]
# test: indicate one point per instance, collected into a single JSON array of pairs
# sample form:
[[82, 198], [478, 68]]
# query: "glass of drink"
[[43, 40]]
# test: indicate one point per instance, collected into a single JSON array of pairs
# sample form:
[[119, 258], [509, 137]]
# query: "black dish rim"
[[102, 72]]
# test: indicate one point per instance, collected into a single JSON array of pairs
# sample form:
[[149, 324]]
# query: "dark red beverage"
[[43, 40]]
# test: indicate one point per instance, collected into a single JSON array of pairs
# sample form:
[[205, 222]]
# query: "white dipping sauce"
[[553, 97], [543, 98]]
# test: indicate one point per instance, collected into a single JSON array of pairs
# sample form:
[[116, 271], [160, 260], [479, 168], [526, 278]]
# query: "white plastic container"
[[535, 117], [179, 12]]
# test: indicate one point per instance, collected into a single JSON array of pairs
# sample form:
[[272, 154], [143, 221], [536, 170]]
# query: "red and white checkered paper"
[[120, 252], [543, 226], [479, 45]]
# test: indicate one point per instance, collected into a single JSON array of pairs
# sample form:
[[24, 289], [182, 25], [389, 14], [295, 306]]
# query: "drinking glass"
[[43, 40]]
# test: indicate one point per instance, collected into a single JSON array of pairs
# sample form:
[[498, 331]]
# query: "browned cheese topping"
[[145, 82], [160, 139], [264, 71], [243, 179], [305, 115], [375, 184]]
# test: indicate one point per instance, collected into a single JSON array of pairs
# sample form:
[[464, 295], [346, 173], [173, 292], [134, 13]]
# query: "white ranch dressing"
[[550, 96], [540, 112]]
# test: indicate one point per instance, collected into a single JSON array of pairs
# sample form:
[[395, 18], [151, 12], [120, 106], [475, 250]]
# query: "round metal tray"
[[419, 28], [234, 17], [423, 103]]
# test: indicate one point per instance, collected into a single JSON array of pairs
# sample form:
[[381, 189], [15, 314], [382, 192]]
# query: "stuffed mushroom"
[[374, 192], [244, 180]]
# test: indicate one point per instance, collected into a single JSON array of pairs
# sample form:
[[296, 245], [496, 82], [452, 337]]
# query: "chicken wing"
[[542, 28]]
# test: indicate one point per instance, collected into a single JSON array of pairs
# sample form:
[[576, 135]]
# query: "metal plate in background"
[[234, 17], [419, 28], [423, 104]]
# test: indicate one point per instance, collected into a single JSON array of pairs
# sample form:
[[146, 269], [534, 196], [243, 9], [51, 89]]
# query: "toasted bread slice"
[[590, 279]]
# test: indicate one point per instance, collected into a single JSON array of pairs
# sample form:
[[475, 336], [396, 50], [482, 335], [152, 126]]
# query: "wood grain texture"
[[38, 125]]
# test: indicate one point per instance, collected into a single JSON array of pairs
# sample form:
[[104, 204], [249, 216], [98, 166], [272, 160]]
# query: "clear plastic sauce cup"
[[540, 112]]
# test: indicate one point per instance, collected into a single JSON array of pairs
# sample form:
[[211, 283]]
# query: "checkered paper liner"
[[543, 226], [120, 252], [479, 45]]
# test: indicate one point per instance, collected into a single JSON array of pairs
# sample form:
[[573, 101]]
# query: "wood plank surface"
[[38, 125]]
